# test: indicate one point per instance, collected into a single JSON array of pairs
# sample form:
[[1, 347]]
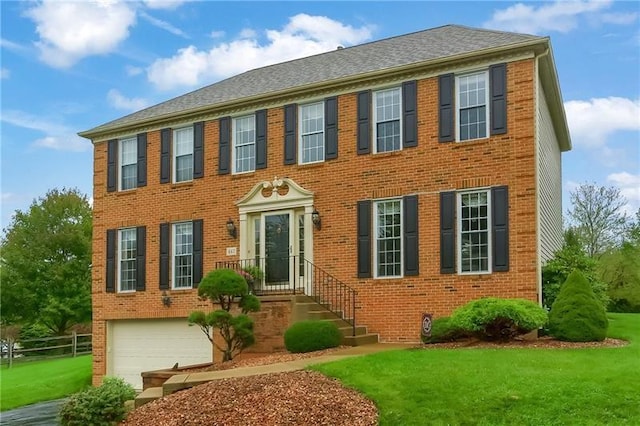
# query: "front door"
[[278, 247]]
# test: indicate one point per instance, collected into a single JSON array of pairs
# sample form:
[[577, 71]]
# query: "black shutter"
[[111, 261], [331, 128], [364, 239], [290, 125], [164, 256], [141, 258], [500, 225], [165, 156], [142, 159], [198, 150], [197, 252], [261, 139], [224, 158], [364, 127], [447, 233], [411, 257], [446, 132], [498, 85], [409, 114], [112, 165]]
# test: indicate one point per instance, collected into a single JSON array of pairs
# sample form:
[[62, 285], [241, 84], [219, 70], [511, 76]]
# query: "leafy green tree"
[[228, 289], [45, 263], [571, 257], [620, 269], [598, 217]]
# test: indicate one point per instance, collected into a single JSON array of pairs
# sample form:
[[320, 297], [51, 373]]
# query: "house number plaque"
[[426, 325]]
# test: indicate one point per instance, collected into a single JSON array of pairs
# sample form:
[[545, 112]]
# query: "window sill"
[[312, 165], [126, 294], [242, 175], [185, 184], [386, 154], [126, 192], [470, 142]]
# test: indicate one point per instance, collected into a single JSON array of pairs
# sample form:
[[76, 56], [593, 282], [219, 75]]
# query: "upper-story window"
[[244, 144], [128, 163], [388, 238], [183, 255], [183, 154], [312, 133], [472, 100], [386, 106], [474, 224], [127, 249]]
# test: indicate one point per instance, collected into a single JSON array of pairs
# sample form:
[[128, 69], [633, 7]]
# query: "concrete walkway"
[[185, 381]]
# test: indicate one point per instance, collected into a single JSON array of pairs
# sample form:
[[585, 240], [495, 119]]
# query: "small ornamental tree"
[[229, 290], [577, 315]]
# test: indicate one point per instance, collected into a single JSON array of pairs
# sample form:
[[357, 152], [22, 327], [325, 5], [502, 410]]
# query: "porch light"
[[231, 228], [315, 218], [166, 299]]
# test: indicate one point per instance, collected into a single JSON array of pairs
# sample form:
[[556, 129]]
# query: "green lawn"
[[30, 382], [503, 386]]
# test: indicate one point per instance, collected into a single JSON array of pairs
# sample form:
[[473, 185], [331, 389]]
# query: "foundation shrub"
[[493, 318], [577, 315], [442, 330], [98, 406], [309, 336]]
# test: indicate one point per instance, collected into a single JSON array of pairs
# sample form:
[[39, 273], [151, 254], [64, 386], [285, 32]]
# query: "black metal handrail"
[[296, 275]]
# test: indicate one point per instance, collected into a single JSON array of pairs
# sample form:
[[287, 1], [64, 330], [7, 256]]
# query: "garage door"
[[143, 345]]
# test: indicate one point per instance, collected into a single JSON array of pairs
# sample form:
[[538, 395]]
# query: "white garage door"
[[143, 345]]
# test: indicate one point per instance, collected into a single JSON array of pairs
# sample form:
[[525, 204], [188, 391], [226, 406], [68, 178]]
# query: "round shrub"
[[442, 330], [99, 406], [309, 336], [577, 315], [492, 318], [222, 282]]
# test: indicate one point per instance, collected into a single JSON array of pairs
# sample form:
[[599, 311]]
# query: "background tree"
[[597, 216], [228, 289], [45, 263]]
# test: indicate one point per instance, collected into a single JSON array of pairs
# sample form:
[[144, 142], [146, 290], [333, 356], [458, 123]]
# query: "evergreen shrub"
[[309, 336], [577, 315], [442, 330]]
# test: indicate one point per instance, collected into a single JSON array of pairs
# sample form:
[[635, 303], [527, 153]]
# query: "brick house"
[[407, 175]]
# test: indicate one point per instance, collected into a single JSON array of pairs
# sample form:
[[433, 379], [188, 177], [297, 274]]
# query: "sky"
[[70, 66]]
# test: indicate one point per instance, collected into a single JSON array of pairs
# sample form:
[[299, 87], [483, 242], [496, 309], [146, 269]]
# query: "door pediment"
[[280, 193]]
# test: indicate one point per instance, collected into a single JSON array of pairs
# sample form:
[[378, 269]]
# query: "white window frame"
[[174, 255], [175, 152], [303, 134], [459, 232], [235, 145], [485, 74], [375, 117], [375, 237], [120, 260], [121, 164]]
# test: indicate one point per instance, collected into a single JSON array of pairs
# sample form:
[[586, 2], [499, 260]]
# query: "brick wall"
[[391, 307]]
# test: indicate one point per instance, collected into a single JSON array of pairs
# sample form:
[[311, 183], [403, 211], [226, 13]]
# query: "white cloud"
[[118, 101], [8, 44], [164, 25], [56, 136], [133, 71], [164, 4], [304, 35], [217, 34], [248, 33], [629, 185], [592, 122], [70, 31], [560, 16], [4, 73]]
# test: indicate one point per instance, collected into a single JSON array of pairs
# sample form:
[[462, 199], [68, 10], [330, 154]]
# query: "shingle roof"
[[431, 44]]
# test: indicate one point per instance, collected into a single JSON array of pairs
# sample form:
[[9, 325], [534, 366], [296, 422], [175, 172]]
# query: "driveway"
[[40, 414]]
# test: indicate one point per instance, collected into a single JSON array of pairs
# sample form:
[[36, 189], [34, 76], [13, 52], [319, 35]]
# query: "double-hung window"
[[387, 226], [244, 144], [387, 112], [472, 105], [474, 225], [127, 249], [183, 255], [312, 133], [128, 163], [183, 154]]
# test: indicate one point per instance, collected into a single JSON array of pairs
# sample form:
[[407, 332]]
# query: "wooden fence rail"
[[78, 344]]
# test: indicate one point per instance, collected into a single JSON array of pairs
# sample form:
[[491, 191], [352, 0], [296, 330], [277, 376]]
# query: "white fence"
[[59, 346]]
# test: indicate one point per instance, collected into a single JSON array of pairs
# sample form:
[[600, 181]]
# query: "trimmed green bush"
[[442, 330], [492, 318], [99, 406], [309, 336], [577, 315]]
